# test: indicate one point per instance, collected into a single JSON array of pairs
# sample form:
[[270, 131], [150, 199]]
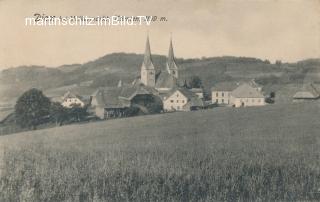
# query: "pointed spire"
[[170, 54], [147, 55], [172, 67]]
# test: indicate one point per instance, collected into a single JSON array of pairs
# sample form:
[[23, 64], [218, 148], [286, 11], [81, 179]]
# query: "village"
[[164, 89]]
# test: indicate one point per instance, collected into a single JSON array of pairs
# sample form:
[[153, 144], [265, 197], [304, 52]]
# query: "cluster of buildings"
[[162, 86]]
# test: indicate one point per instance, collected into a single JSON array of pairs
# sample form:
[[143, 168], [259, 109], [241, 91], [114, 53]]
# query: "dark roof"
[[108, 97], [246, 91], [224, 86], [308, 91], [166, 80], [114, 97]]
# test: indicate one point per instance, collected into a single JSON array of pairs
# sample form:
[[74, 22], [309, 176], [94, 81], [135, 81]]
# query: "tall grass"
[[255, 160]]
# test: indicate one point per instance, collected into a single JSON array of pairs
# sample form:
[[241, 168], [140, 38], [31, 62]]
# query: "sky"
[[288, 30]]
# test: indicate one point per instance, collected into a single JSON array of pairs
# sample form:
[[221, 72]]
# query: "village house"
[[220, 93], [308, 93], [246, 95], [182, 99], [70, 99]]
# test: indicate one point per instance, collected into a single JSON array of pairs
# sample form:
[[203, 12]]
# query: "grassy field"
[[270, 153]]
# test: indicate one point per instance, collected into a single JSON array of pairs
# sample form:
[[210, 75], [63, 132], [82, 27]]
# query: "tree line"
[[33, 108]]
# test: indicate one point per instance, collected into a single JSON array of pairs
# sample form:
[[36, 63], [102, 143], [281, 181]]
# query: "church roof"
[[147, 61], [171, 64], [166, 80], [246, 91]]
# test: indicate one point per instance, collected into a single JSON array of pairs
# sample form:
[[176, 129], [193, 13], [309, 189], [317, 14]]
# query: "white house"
[[182, 100], [69, 99], [246, 95], [220, 93]]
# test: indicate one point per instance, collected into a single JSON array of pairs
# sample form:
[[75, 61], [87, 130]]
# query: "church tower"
[[172, 67], [147, 69]]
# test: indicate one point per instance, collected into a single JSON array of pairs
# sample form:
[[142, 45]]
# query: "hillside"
[[224, 154], [107, 70]]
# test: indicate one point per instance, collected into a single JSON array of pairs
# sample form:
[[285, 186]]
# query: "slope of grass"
[[254, 154]]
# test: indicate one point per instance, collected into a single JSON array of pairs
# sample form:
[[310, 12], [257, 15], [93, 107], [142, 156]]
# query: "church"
[[154, 88], [166, 83], [165, 80]]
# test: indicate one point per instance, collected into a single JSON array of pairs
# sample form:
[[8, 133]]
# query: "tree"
[[195, 82], [77, 113], [58, 113], [32, 108]]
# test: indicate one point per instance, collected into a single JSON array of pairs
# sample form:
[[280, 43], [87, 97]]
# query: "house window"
[[222, 101], [258, 100], [177, 101], [171, 101], [222, 94], [177, 95], [182, 101], [217, 100], [252, 100], [178, 107], [217, 94]]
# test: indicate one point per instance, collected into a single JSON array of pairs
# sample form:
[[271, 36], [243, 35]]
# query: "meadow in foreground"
[[256, 154]]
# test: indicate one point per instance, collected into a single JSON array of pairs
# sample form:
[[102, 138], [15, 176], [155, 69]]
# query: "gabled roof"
[[114, 97], [70, 95], [309, 91], [165, 80], [193, 99], [246, 91], [108, 97], [224, 86], [147, 61]]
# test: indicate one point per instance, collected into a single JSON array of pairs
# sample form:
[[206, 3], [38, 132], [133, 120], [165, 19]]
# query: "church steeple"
[[147, 61], [171, 64], [147, 69]]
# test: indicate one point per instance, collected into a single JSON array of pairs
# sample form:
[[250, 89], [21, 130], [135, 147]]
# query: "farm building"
[[246, 95], [309, 92], [117, 102], [220, 93], [182, 99]]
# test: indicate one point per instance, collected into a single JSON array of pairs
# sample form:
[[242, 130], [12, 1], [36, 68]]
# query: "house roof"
[[246, 91], [224, 86], [114, 97], [108, 97], [84, 99], [166, 80], [196, 90], [309, 91], [193, 99]]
